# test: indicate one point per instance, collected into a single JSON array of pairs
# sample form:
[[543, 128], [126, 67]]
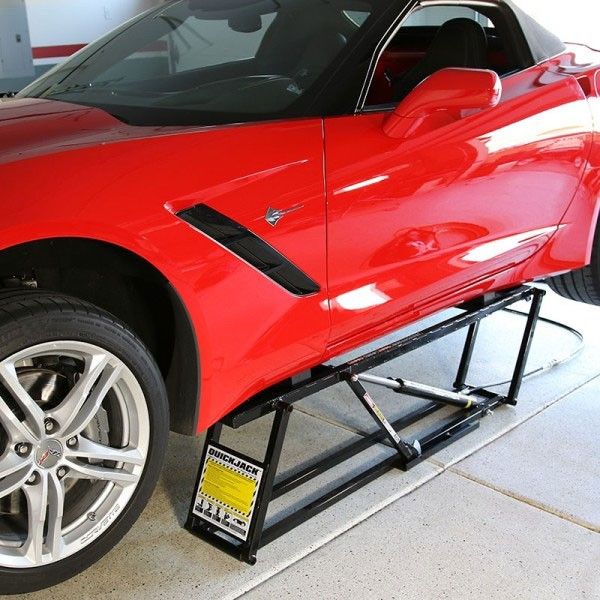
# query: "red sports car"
[[222, 194]]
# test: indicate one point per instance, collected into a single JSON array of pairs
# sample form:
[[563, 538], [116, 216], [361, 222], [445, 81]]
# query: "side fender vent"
[[250, 248]]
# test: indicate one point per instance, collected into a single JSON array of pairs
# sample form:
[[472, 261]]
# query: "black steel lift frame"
[[472, 403]]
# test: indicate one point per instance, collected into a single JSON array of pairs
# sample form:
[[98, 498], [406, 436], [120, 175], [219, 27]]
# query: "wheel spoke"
[[95, 451], [80, 470], [91, 406], [16, 480], [16, 430], [34, 415], [68, 410], [37, 502], [56, 503], [11, 463]]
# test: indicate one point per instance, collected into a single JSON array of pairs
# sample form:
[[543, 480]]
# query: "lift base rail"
[[233, 491]]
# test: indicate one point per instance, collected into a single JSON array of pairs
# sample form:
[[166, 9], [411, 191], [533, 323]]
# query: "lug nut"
[[22, 449], [33, 479], [62, 472], [72, 442], [49, 425]]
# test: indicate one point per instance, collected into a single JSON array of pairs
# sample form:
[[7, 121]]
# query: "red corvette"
[[222, 194]]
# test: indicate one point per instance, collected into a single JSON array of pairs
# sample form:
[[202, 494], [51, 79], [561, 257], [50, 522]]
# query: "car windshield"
[[211, 61]]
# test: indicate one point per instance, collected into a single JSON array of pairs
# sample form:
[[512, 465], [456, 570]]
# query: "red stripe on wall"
[[56, 51]]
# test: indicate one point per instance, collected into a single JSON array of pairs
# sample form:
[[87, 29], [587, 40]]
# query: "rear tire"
[[582, 285], [90, 435]]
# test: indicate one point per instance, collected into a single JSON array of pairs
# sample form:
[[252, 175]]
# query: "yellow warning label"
[[228, 487]]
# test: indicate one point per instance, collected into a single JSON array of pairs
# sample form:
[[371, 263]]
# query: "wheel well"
[[130, 288]]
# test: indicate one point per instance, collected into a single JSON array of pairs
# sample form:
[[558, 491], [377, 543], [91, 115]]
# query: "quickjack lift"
[[233, 491]]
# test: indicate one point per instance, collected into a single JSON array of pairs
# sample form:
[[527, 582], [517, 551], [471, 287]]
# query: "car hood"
[[31, 127]]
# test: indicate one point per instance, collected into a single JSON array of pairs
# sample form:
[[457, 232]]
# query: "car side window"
[[434, 38]]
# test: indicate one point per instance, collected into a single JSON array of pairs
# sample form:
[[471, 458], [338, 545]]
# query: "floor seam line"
[[524, 500], [332, 422]]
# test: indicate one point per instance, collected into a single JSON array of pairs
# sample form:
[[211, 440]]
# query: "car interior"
[[475, 40]]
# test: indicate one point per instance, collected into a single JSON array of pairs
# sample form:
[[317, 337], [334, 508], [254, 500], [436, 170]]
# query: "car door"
[[413, 224]]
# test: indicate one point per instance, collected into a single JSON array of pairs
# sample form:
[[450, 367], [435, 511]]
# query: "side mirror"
[[440, 99]]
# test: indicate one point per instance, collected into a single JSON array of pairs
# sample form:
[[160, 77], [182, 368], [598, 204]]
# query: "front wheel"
[[83, 432]]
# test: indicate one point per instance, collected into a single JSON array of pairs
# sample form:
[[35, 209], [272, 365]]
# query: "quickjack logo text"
[[238, 463]]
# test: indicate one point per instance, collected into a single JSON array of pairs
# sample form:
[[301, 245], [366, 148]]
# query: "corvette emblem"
[[49, 453], [274, 215]]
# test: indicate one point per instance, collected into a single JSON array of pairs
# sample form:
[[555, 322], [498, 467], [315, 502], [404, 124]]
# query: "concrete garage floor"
[[511, 511]]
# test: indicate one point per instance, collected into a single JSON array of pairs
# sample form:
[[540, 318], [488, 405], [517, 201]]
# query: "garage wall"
[[572, 21], [57, 27], [15, 48]]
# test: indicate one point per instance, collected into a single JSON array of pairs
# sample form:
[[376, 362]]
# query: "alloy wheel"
[[74, 439]]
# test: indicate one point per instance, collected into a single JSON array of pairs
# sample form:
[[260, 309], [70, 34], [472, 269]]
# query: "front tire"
[[83, 433]]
